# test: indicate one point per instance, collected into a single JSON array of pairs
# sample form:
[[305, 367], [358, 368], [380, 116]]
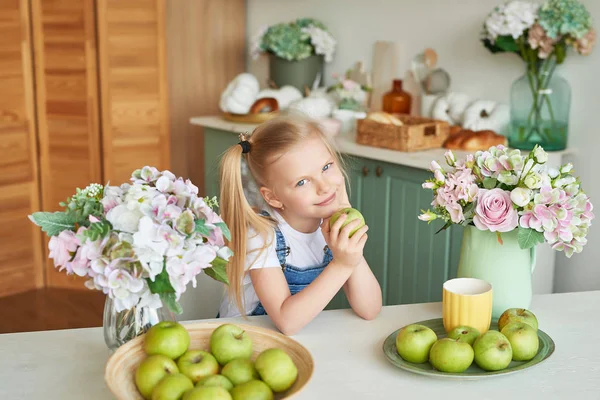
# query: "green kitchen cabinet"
[[410, 261]]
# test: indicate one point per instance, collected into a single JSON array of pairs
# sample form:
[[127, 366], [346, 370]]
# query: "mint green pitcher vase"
[[507, 267]]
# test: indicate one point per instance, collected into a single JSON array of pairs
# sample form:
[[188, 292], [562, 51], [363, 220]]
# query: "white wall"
[[453, 31]]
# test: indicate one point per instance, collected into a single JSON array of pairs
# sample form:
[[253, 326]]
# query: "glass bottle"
[[397, 101]]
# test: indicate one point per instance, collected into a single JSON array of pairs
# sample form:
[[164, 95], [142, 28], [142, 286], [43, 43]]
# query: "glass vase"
[[123, 326], [540, 101]]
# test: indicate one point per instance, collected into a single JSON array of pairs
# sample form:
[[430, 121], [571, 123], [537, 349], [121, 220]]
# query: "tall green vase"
[[507, 267], [300, 74]]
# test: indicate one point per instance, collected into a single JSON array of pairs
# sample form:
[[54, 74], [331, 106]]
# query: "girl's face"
[[306, 181]]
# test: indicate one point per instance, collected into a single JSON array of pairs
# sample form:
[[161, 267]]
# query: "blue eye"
[[327, 166], [301, 183]]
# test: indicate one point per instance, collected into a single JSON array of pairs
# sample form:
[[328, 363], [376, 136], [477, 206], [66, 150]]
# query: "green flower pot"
[[300, 74], [507, 267]]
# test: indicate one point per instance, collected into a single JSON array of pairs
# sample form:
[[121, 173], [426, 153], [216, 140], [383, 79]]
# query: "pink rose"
[[62, 247], [494, 211]]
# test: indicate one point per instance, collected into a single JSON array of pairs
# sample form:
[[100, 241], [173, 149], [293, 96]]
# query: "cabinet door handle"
[[365, 171], [378, 171]]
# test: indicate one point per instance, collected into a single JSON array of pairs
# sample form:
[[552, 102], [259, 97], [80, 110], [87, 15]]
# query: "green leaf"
[[528, 238], [507, 43], [97, 230], [443, 228], [489, 183], [161, 283], [561, 53], [170, 299], [218, 270], [201, 227], [54, 223], [224, 229]]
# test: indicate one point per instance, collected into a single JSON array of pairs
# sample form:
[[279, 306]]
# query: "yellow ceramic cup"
[[467, 301]]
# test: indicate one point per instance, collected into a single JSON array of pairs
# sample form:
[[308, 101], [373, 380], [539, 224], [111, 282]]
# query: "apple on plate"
[[451, 355], [215, 380], [168, 338], [492, 351], [151, 371], [228, 342], [197, 364], [240, 370], [351, 215], [465, 334], [207, 393], [523, 340], [252, 390], [277, 369], [414, 341], [172, 387], [517, 315]]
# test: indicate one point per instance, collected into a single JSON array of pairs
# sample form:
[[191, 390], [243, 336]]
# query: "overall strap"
[[282, 249]]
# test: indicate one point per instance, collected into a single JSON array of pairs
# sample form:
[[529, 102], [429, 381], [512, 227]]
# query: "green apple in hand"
[[207, 393], [492, 351], [351, 215], [240, 370], [172, 387], [517, 315], [451, 355], [151, 371], [215, 380], [465, 334], [276, 369], [414, 342], [523, 340], [168, 338], [228, 342], [252, 390], [197, 364]]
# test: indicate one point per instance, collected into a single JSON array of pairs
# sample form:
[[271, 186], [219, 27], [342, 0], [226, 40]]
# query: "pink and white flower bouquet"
[[141, 242], [500, 190]]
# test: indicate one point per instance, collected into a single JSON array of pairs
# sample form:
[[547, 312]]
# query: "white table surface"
[[349, 362]]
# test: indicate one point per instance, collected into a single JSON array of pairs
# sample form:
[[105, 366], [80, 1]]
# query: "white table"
[[349, 363]]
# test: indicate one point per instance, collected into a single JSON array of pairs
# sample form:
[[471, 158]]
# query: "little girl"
[[288, 262]]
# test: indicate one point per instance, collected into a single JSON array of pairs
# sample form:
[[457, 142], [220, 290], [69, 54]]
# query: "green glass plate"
[[473, 372]]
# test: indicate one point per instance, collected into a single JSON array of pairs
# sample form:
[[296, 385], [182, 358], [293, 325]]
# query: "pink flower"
[[79, 265], [494, 211], [62, 247], [349, 84]]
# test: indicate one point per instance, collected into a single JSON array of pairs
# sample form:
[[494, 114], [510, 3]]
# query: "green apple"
[[465, 334], [240, 370], [207, 393], [168, 338], [253, 390], [229, 341], [523, 340], [172, 387], [215, 380], [276, 369], [451, 355], [351, 215], [197, 364], [414, 342], [517, 315], [151, 371], [492, 351]]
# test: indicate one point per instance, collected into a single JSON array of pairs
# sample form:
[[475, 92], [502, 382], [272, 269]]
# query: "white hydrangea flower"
[[124, 219], [322, 40], [511, 19], [255, 42]]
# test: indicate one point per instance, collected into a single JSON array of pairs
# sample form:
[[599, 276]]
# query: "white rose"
[[124, 219], [553, 172], [533, 180], [564, 181], [540, 155], [521, 196], [565, 169]]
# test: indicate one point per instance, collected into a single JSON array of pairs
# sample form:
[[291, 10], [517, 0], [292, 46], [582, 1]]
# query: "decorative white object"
[[427, 103], [285, 95], [317, 105], [486, 115], [348, 119], [451, 107], [240, 94]]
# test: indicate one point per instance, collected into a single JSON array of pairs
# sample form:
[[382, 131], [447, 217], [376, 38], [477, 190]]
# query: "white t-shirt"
[[306, 251]]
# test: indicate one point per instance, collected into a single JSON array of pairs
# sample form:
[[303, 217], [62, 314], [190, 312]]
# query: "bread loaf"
[[384, 118], [474, 140]]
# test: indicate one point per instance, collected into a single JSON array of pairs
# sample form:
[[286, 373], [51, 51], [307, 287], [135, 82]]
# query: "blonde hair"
[[268, 142]]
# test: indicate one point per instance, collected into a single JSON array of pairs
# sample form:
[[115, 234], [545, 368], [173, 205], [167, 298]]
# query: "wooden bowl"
[[120, 368]]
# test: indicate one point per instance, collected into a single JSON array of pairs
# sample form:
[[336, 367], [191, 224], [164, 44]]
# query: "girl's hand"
[[346, 251]]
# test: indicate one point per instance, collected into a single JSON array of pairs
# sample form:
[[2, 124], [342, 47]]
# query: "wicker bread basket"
[[121, 366]]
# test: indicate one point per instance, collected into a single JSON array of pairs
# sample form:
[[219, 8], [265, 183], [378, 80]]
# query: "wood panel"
[[20, 240], [206, 42], [67, 105], [133, 86]]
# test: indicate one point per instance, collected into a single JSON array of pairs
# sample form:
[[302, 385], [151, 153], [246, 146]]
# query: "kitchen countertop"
[[347, 351], [346, 144]]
